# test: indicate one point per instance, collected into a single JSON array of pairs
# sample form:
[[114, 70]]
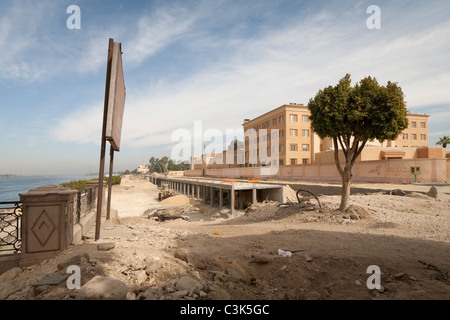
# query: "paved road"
[[334, 188]]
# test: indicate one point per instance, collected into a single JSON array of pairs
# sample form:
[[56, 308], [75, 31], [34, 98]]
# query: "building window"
[[281, 148], [293, 161], [405, 136], [264, 125], [422, 125], [275, 149], [423, 137], [268, 151], [413, 124], [274, 162], [275, 121], [281, 162], [413, 136], [305, 118], [305, 147], [294, 147], [293, 132], [281, 133], [275, 136], [268, 124], [268, 137], [305, 160], [305, 133], [281, 119], [293, 118]]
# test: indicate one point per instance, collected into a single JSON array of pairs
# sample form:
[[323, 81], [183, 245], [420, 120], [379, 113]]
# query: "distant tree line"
[[165, 164]]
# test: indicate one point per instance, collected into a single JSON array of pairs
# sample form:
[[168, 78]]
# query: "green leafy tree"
[[156, 165], [351, 116], [444, 141], [152, 162], [236, 144], [165, 164], [171, 166]]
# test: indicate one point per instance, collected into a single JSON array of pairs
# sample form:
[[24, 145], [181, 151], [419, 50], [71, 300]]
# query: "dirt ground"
[[237, 257]]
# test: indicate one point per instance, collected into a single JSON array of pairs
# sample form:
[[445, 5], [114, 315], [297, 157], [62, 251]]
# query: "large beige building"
[[416, 135], [298, 144]]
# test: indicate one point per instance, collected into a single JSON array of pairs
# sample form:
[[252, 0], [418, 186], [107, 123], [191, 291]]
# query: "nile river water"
[[10, 187]]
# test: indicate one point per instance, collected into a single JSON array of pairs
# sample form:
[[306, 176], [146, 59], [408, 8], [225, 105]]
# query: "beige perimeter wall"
[[387, 171]]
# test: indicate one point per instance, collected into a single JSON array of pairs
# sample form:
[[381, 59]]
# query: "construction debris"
[[168, 214]]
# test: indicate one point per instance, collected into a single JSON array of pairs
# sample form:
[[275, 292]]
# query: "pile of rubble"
[[96, 284]]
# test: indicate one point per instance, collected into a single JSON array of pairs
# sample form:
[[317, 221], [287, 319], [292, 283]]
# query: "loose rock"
[[75, 260], [141, 277], [52, 279], [10, 274], [261, 258], [189, 284], [398, 192], [106, 246], [103, 288], [432, 192]]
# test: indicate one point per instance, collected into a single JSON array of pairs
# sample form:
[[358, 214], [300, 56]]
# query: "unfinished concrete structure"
[[232, 193]]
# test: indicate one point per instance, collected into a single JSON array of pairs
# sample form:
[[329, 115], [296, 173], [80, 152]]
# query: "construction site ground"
[[237, 257]]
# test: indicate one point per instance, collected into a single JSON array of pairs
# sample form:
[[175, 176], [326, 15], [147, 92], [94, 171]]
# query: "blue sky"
[[217, 62]]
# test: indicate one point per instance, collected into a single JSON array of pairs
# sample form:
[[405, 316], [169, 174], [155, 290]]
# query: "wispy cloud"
[[81, 126], [19, 26], [285, 64], [156, 31]]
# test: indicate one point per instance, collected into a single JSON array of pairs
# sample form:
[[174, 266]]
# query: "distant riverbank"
[[4, 176]]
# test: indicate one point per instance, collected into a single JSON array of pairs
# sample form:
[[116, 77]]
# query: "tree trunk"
[[345, 196]]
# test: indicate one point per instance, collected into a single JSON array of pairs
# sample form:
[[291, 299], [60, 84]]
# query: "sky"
[[198, 63]]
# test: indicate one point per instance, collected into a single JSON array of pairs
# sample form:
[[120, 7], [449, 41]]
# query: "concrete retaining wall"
[[383, 171]]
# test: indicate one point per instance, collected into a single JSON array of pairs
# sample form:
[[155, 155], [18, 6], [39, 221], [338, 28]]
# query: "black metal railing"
[[10, 227], [85, 202]]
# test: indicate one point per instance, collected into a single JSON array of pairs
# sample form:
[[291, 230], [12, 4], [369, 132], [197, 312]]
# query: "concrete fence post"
[[47, 222]]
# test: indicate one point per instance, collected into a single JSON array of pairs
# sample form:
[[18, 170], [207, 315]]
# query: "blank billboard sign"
[[116, 99]]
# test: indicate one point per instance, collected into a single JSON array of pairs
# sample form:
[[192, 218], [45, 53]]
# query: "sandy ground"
[[407, 237]]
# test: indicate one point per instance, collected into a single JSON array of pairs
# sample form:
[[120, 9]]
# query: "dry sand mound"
[[178, 200]]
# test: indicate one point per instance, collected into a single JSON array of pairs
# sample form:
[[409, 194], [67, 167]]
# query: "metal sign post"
[[112, 123], [111, 161], [415, 170]]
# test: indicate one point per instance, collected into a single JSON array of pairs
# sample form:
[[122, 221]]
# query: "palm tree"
[[444, 141]]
